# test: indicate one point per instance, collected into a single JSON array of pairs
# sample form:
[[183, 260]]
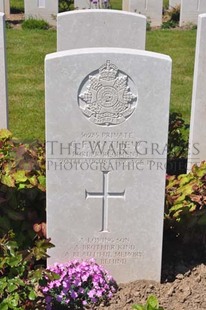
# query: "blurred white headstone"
[[100, 28], [42, 9], [197, 139]]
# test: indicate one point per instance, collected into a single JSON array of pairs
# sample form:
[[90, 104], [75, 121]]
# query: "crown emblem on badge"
[[108, 71], [108, 100]]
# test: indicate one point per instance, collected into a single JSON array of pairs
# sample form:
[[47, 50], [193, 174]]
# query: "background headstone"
[[190, 9], [125, 5], [173, 3], [41, 9], [87, 4], [152, 9], [100, 28], [82, 4], [106, 115], [5, 6], [3, 76], [197, 139]]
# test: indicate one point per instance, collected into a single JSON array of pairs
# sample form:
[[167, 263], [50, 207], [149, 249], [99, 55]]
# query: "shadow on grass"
[[14, 10]]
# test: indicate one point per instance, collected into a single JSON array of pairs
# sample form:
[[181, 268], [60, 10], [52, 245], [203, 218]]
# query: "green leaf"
[[3, 285], [22, 186], [152, 303], [181, 198], [20, 176], [4, 306], [185, 179], [13, 301], [32, 295], [42, 180], [11, 287], [12, 246], [15, 260], [5, 134], [8, 180], [138, 307], [33, 180]]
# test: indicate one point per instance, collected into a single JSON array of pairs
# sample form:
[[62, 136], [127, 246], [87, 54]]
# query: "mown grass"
[[17, 6], [25, 59], [180, 46], [26, 50]]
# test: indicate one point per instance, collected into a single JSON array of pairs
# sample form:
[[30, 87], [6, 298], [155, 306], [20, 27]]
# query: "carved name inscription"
[[109, 251]]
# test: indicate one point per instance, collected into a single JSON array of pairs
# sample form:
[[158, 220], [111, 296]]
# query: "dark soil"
[[183, 285], [186, 292], [15, 20]]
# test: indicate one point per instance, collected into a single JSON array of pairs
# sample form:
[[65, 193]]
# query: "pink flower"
[[80, 284], [74, 295]]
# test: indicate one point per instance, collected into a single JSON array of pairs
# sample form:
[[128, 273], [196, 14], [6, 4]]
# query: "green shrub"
[[171, 17], [177, 150], [177, 137], [32, 23], [185, 210], [174, 13], [22, 188], [65, 5], [148, 26], [151, 304], [168, 24], [19, 281]]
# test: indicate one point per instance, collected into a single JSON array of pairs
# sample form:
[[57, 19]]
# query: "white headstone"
[[5, 6], [125, 5], [3, 76], [82, 4], [106, 124], [42, 9], [152, 9], [190, 9], [197, 139], [100, 28], [173, 3]]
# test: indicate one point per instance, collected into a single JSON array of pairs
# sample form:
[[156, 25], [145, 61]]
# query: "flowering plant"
[[80, 284]]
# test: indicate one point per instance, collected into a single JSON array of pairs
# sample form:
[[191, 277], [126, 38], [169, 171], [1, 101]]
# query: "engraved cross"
[[105, 195]]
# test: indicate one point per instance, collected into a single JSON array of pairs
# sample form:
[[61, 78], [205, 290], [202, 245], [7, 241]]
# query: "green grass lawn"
[[180, 46], [26, 50], [25, 59], [17, 6]]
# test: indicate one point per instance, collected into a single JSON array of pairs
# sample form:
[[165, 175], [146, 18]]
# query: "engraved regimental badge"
[[105, 98]]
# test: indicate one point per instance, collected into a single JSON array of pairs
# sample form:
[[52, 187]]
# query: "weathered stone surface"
[[100, 28], [5, 6], [197, 139], [152, 9], [107, 125], [190, 9], [173, 3], [42, 9]]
